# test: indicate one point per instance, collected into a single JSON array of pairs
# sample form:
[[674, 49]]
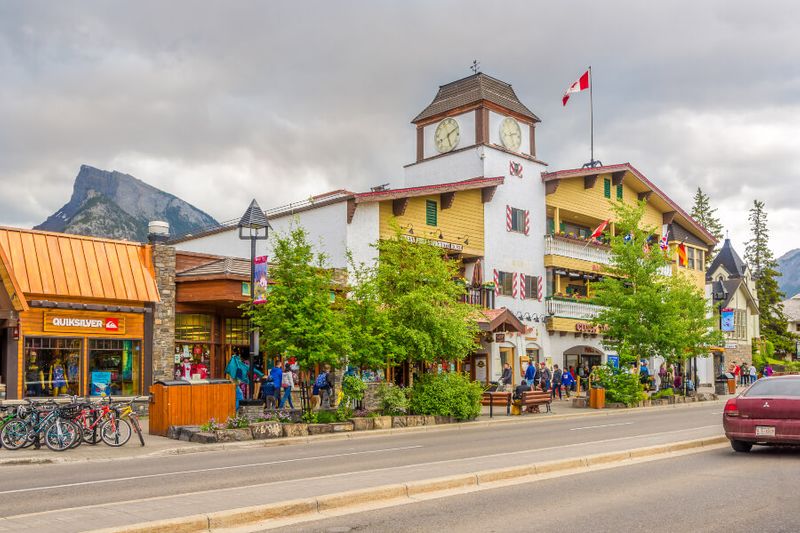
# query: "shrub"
[[663, 393], [326, 417], [237, 422], [621, 387], [447, 394], [392, 399], [353, 388], [310, 417]]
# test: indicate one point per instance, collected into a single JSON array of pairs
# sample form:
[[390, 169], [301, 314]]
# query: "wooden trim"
[[399, 206], [533, 139], [479, 138], [420, 144], [485, 112], [616, 177], [446, 199], [668, 217], [487, 193], [351, 209], [644, 195], [589, 181], [457, 150], [550, 187]]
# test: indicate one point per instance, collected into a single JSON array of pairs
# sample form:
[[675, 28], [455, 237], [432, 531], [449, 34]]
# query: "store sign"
[[586, 327], [731, 345], [726, 322], [439, 244], [500, 337], [56, 322]]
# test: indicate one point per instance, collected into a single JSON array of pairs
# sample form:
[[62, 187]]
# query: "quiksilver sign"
[[59, 322]]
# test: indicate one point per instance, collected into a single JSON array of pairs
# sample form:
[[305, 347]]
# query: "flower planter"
[[340, 427], [233, 435], [295, 430], [382, 422], [428, 420], [266, 430], [319, 429], [204, 437], [362, 423]]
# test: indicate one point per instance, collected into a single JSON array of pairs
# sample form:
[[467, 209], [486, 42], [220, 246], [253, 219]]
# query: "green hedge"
[[447, 394]]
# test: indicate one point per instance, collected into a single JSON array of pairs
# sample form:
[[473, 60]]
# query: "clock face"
[[510, 134], [447, 135]]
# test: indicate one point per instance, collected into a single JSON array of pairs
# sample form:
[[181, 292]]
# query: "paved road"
[[714, 491], [261, 475]]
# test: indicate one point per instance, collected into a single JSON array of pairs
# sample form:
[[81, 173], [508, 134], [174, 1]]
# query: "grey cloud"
[[221, 101]]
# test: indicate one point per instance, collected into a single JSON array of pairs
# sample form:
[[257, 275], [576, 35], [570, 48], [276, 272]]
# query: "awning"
[[493, 319]]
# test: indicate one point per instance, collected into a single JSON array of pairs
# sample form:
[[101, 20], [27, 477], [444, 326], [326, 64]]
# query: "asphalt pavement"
[[179, 485], [715, 491]]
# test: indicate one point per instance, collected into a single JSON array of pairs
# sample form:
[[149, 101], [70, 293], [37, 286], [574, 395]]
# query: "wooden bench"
[[499, 399], [531, 400]]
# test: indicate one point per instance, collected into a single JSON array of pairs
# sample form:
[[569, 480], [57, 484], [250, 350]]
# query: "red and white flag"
[[598, 231], [581, 85]]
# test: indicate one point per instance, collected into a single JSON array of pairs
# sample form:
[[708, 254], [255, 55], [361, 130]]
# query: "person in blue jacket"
[[530, 374], [277, 378], [568, 381]]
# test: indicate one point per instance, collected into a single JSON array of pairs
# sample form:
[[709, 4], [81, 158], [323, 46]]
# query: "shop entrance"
[[507, 357]]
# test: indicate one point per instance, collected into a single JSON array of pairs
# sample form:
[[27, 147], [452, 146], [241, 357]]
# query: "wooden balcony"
[[479, 296]]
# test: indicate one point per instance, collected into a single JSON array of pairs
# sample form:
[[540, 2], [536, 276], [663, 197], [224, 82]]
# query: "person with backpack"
[[544, 377], [324, 383], [557, 375], [287, 383], [568, 381]]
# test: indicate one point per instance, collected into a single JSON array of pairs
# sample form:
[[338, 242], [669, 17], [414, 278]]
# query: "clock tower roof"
[[473, 90]]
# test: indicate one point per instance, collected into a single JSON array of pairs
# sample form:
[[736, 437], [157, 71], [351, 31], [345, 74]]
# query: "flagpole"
[[591, 118]]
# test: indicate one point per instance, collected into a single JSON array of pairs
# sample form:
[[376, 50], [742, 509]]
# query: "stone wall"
[[742, 352], [164, 313]]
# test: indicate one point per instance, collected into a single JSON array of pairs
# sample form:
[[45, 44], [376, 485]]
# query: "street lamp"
[[253, 226]]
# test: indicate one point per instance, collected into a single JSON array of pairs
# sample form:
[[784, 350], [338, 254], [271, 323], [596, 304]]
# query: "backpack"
[[322, 380]]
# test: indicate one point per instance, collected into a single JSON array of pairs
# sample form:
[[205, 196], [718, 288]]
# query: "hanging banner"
[[727, 322], [260, 286]]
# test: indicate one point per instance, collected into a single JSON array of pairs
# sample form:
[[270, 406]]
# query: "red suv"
[[767, 413]]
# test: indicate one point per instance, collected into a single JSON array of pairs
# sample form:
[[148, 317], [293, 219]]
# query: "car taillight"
[[731, 409]]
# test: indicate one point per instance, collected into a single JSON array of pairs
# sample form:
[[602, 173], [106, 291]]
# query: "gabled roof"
[[472, 90], [11, 285], [791, 308], [63, 265], [491, 319], [425, 190], [254, 217], [647, 186], [729, 260], [727, 290]]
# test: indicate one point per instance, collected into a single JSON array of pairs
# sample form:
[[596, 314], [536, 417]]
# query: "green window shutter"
[[619, 192], [607, 188], [431, 215]]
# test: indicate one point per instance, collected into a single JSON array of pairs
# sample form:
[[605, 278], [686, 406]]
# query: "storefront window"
[[52, 366], [114, 367], [190, 327], [192, 360], [237, 331]]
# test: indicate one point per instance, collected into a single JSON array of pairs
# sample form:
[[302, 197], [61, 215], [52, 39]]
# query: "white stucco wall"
[[326, 227], [495, 119], [363, 232], [466, 128], [225, 243], [453, 167]]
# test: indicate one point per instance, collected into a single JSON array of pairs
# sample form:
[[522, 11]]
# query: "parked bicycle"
[[47, 421]]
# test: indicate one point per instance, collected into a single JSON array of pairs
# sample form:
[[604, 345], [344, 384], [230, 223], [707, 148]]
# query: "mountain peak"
[[117, 205], [789, 267]]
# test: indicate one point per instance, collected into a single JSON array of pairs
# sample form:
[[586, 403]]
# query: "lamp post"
[[253, 226]]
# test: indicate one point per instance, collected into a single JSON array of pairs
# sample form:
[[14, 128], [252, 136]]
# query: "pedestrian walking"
[[744, 374], [753, 374], [530, 374], [287, 383], [277, 379], [557, 375], [544, 377], [737, 373], [325, 386], [768, 370], [568, 380]]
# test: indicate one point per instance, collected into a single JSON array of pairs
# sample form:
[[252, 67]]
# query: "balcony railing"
[[576, 249], [480, 296], [572, 309]]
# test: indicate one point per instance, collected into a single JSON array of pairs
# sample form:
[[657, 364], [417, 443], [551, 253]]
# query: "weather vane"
[[476, 67]]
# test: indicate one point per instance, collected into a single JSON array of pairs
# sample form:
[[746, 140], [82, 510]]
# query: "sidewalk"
[[156, 446]]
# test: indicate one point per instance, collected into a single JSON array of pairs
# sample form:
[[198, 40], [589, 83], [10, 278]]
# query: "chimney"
[[158, 232]]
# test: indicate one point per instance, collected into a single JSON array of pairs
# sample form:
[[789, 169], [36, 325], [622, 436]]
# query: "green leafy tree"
[[416, 284], [762, 263], [367, 320], [703, 213], [298, 319], [646, 311]]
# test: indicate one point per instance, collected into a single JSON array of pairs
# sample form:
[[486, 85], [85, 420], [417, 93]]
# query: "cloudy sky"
[[218, 102]]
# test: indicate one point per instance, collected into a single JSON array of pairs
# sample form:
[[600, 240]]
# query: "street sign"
[[613, 360]]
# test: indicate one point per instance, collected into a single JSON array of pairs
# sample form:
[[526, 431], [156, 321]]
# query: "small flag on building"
[[598, 231], [681, 254], [664, 243], [580, 85]]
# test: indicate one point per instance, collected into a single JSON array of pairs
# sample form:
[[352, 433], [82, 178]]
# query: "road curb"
[[400, 491], [290, 441]]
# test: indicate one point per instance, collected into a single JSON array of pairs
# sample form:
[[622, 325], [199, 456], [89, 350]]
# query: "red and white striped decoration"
[[539, 288], [508, 218], [496, 283], [527, 221], [515, 285], [522, 294]]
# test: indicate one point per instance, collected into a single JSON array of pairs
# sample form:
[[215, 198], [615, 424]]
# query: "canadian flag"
[[581, 85]]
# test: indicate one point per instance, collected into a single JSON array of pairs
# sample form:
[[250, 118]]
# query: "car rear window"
[[774, 387]]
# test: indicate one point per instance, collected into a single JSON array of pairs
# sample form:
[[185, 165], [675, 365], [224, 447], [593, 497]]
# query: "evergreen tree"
[[704, 214], [299, 319], [645, 312], [764, 269]]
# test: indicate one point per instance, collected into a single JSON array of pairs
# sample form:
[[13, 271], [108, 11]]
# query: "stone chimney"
[[164, 311], [158, 231]]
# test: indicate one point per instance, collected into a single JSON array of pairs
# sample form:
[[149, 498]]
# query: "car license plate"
[[765, 431]]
